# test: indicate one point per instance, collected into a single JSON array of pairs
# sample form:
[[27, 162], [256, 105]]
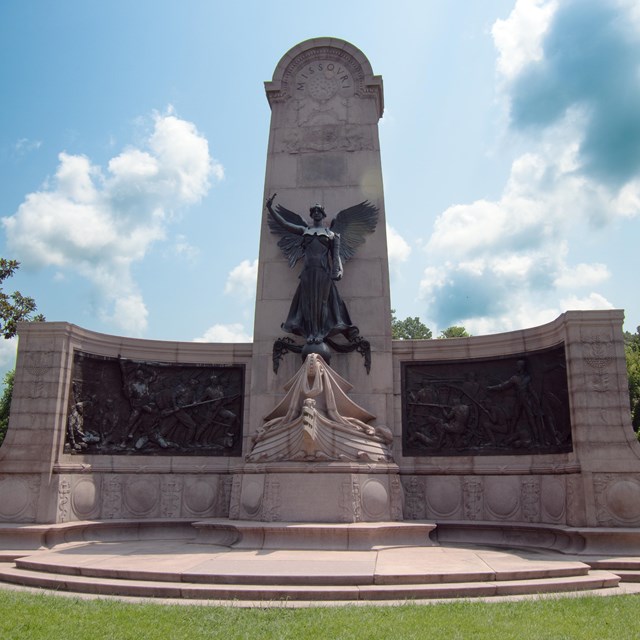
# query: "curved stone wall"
[[44, 479], [593, 483]]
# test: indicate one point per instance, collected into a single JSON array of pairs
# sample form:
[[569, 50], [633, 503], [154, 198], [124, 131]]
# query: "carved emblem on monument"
[[328, 137], [531, 499], [37, 365], [317, 313], [598, 355], [415, 498], [323, 89], [473, 496], [316, 421]]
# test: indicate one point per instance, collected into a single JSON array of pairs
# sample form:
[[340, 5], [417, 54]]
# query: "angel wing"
[[290, 243], [352, 224]]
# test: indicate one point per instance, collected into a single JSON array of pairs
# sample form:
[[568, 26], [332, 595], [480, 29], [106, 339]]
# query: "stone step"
[[614, 564], [389, 566], [593, 580], [627, 575], [596, 579], [10, 555], [628, 568], [242, 534]]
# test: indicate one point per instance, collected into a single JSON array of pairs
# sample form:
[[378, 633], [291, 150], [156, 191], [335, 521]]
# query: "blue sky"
[[133, 144]]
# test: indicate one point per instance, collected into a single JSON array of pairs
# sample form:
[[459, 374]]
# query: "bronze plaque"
[[499, 406], [124, 407]]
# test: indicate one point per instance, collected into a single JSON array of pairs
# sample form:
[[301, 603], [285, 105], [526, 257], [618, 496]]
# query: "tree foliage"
[[415, 329], [5, 403], [409, 328], [14, 307], [632, 354], [454, 332]]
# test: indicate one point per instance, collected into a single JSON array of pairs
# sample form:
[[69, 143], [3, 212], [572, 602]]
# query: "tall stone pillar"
[[324, 148]]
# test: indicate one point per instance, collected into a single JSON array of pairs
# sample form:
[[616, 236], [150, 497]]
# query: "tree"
[[14, 307], [454, 332], [632, 355], [5, 403], [409, 328]]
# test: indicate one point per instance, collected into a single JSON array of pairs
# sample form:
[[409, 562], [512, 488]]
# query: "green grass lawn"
[[41, 616]]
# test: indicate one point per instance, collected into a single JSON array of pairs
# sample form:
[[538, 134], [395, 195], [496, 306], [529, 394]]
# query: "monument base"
[[330, 492]]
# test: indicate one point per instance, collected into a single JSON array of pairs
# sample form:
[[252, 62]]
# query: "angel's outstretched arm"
[[285, 224]]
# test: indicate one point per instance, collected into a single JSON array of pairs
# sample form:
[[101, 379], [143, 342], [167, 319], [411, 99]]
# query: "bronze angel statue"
[[317, 311]]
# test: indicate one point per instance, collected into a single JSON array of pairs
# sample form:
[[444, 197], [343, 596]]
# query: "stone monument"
[[519, 438]]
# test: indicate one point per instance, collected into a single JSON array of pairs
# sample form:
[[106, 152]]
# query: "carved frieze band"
[[492, 498], [327, 137], [115, 496]]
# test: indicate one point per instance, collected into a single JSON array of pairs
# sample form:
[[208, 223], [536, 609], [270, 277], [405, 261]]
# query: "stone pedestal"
[[329, 492]]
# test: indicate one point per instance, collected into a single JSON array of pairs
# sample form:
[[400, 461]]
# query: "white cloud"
[[8, 350], [633, 8], [184, 249], [589, 60], [183, 155], [627, 202], [582, 275], [129, 313], [133, 165], [591, 301], [225, 333], [242, 279], [504, 264], [519, 37], [487, 299], [74, 178], [523, 314], [24, 145], [397, 247], [98, 223], [530, 213], [463, 229]]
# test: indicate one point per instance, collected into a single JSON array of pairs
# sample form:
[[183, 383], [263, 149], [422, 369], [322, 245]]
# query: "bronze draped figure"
[[317, 311]]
